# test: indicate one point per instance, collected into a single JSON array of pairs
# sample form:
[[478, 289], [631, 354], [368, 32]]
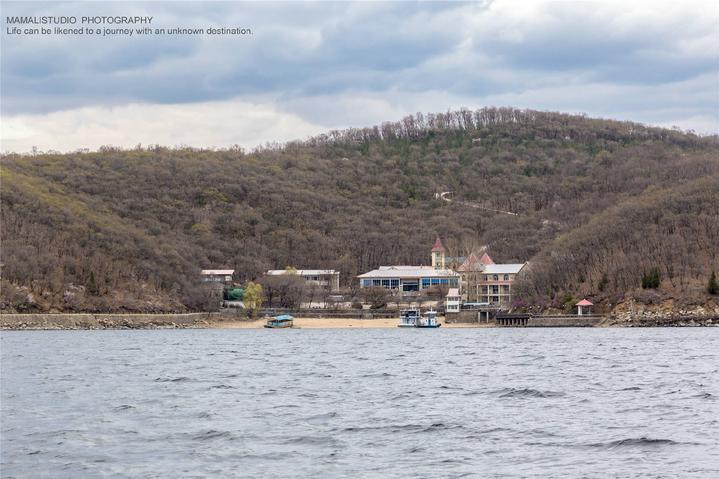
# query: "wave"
[[396, 428], [124, 407], [312, 440], [525, 393], [377, 375], [635, 442], [181, 379], [212, 434], [321, 418]]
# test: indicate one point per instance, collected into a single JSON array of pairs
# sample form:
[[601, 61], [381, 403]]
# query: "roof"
[[472, 263], [437, 245], [453, 292], [503, 268], [303, 272], [584, 302], [224, 272], [485, 259], [408, 272]]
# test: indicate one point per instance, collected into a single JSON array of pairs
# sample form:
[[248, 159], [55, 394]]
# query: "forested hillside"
[[598, 203]]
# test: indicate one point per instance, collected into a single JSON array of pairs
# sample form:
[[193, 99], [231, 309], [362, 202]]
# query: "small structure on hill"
[[221, 276], [584, 308]]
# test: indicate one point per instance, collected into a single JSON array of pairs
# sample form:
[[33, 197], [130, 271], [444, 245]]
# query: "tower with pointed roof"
[[438, 255]]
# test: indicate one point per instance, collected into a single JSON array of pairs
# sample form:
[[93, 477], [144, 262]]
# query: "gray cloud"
[[305, 59]]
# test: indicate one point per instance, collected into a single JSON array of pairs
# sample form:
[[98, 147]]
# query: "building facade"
[[325, 278], [218, 276], [408, 278], [453, 302], [485, 282], [495, 285]]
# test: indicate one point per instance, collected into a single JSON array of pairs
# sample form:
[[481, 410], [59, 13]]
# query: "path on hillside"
[[443, 196]]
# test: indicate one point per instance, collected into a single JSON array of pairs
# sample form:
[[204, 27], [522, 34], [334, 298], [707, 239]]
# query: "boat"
[[281, 321], [408, 318], [428, 320]]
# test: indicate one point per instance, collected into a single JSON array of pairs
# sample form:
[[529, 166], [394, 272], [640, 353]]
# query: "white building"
[[327, 278], [453, 301], [409, 278], [216, 275]]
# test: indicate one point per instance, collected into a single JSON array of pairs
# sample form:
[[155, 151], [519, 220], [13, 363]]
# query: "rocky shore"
[[107, 321]]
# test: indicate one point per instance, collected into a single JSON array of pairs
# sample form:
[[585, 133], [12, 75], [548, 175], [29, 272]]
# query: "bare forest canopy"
[[598, 203]]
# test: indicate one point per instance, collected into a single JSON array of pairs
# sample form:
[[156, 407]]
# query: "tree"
[[376, 296], [712, 286], [253, 298], [284, 290]]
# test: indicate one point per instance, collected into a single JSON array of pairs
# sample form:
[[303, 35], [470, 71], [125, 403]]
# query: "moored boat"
[[281, 321], [428, 320], [408, 318]]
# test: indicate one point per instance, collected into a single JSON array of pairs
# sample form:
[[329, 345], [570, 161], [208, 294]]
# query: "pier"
[[522, 320]]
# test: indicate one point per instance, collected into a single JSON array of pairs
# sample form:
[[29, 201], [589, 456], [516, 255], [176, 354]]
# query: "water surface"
[[361, 403]]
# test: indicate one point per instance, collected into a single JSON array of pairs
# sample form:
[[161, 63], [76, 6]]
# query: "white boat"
[[408, 318], [428, 320]]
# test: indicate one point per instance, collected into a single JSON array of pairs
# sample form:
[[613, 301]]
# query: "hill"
[[598, 204]]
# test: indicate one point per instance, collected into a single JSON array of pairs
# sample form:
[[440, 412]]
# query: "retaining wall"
[[563, 321]]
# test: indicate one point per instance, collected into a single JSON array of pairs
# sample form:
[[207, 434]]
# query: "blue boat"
[[281, 321]]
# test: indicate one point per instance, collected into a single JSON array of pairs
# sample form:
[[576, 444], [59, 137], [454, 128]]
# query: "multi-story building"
[[484, 281], [478, 278]]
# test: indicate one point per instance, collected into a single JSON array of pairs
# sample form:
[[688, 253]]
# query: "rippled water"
[[361, 403]]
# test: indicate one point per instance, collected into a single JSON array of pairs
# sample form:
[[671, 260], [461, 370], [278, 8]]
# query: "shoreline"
[[95, 321]]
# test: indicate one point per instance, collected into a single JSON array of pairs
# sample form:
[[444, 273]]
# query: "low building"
[[221, 276], [409, 278], [453, 302], [326, 278]]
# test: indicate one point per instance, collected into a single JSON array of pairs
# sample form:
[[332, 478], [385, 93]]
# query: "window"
[[496, 277], [366, 283], [506, 277]]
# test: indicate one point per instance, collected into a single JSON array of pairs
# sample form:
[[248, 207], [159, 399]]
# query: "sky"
[[311, 67]]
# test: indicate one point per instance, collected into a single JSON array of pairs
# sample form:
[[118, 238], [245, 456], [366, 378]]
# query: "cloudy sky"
[[312, 67]]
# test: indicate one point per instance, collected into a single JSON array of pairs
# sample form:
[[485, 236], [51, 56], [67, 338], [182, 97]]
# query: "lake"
[[367, 403]]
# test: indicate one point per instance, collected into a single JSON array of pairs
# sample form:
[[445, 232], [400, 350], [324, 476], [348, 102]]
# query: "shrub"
[[652, 279], [712, 286]]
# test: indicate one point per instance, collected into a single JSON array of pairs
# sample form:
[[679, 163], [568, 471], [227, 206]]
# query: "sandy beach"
[[182, 321], [328, 323]]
